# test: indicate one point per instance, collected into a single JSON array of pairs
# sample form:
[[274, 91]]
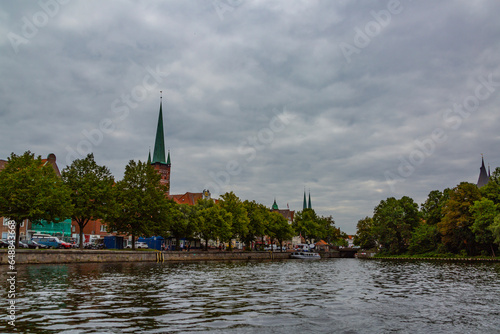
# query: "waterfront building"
[[287, 213]]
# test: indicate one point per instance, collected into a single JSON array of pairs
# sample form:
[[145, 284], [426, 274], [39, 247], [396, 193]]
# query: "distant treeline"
[[464, 220]]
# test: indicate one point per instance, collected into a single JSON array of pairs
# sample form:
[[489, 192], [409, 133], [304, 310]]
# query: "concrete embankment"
[[29, 256], [455, 259]]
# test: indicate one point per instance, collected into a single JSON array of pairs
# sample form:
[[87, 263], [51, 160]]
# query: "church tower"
[[483, 176], [307, 205], [158, 162]]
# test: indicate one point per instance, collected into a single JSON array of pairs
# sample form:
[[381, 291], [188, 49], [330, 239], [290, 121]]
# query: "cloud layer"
[[353, 101]]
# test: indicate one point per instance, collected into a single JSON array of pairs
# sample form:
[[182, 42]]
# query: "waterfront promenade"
[[28, 256]]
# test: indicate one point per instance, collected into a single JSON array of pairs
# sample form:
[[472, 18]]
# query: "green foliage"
[[425, 239], [257, 217], [306, 224], [484, 212], [393, 223], [492, 189], [278, 228], [239, 216], [181, 221], [31, 190], [141, 203], [431, 209], [365, 237], [91, 191], [455, 227], [214, 222], [495, 229]]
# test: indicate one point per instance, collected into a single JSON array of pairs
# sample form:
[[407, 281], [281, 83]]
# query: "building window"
[[103, 228]]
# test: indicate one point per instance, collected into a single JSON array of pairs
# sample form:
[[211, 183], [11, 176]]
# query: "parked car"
[[35, 245], [22, 244], [275, 248], [4, 243], [139, 244], [51, 242]]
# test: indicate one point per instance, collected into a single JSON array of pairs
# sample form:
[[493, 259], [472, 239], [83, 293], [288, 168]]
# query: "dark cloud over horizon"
[[262, 92]]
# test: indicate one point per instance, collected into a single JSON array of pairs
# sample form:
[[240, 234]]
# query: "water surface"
[[292, 296]]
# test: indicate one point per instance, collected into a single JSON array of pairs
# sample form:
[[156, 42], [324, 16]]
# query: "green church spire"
[[305, 202], [168, 158], [275, 205], [149, 157], [309, 205], [159, 149]]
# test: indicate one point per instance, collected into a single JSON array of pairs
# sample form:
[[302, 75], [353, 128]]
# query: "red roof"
[[51, 159], [187, 198]]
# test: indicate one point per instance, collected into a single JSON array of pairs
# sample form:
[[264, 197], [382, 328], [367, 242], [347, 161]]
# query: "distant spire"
[[168, 158], [483, 176], [489, 171], [149, 157], [305, 202], [159, 149], [275, 205], [309, 205]]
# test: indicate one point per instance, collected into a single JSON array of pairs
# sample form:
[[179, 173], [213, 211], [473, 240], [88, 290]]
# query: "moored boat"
[[305, 255]]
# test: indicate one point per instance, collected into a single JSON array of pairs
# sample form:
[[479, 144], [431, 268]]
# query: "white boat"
[[305, 255]]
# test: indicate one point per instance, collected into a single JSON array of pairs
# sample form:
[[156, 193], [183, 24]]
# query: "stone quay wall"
[[35, 256]]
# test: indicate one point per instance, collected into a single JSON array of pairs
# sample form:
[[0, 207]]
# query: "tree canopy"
[[141, 202], [30, 189], [90, 188]]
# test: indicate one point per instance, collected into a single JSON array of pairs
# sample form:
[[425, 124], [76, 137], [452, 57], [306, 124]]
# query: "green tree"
[[239, 216], [330, 233], [495, 229], [141, 201], [30, 190], [306, 224], [424, 239], [257, 214], [279, 229], [364, 237], [214, 222], [91, 195], [183, 222], [432, 208], [492, 189], [393, 223], [455, 227], [484, 212]]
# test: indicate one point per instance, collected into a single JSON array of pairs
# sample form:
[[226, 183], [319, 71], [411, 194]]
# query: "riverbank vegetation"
[[138, 206], [463, 221]]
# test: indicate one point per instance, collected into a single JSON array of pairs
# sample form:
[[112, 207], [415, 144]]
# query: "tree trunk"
[[18, 233], [80, 225], [133, 242]]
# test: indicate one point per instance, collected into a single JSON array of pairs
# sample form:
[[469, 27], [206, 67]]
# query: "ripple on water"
[[340, 295]]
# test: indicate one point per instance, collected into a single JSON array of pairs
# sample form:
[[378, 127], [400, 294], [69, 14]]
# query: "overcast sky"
[[354, 101]]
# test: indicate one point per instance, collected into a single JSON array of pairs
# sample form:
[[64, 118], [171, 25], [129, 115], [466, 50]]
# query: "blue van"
[[49, 241]]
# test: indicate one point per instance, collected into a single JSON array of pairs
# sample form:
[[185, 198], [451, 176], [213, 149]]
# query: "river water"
[[290, 296]]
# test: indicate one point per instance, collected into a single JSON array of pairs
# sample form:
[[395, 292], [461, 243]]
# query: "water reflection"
[[339, 295]]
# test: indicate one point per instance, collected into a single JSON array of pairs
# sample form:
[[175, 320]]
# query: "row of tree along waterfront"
[[464, 221], [138, 206]]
